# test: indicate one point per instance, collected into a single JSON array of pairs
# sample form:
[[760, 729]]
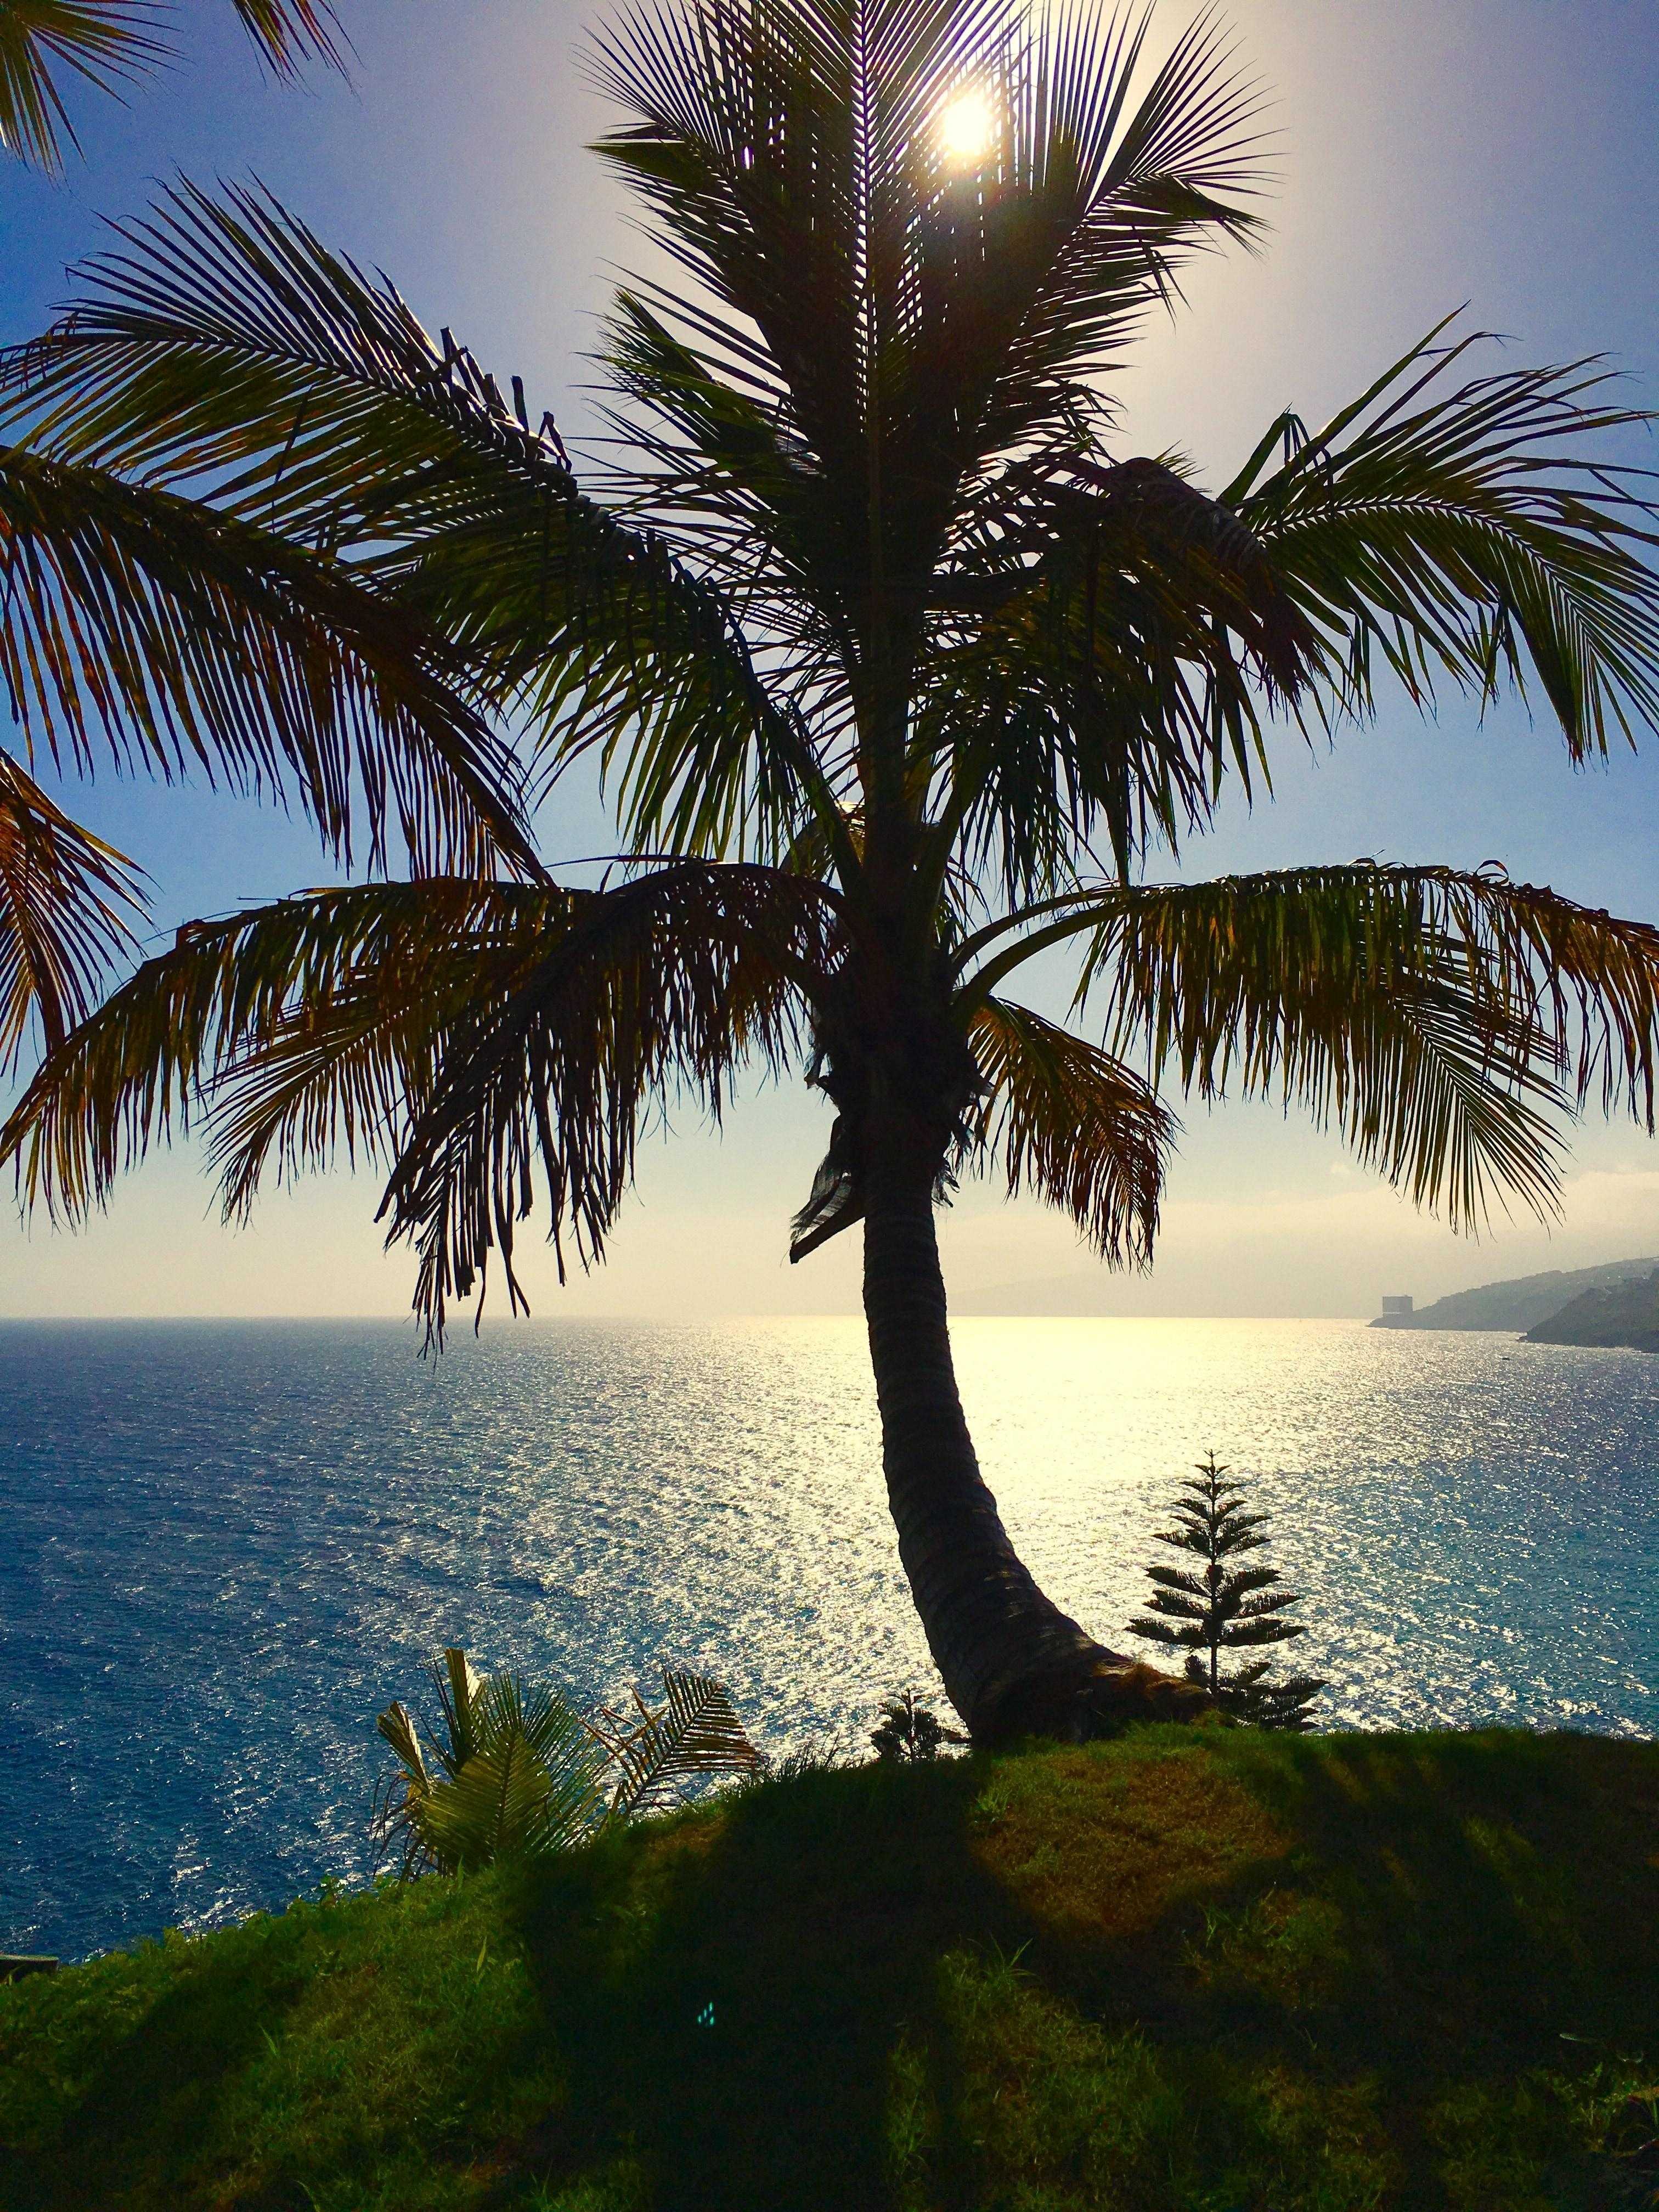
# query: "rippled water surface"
[[226, 1547]]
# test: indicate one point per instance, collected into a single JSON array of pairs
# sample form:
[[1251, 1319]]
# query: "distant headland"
[[1617, 1303]]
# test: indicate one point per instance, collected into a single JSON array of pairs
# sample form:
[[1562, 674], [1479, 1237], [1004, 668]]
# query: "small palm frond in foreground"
[[518, 1773], [515, 1774], [693, 1734]]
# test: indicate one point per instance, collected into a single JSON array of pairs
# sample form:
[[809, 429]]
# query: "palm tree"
[[898, 678]]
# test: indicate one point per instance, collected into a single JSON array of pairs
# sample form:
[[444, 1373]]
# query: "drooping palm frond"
[[1469, 530], [1107, 640], [1074, 1126], [1577, 989], [1437, 1017], [67, 905], [458, 1030], [184, 637], [312, 1025], [666, 984], [290, 32], [342, 1077], [105, 43], [109, 43], [222, 349]]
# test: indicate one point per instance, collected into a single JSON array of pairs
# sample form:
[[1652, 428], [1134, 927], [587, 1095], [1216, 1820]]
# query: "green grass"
[[1210, 1971]]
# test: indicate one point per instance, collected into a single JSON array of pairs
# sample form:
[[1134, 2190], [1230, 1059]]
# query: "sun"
[[965, 127]]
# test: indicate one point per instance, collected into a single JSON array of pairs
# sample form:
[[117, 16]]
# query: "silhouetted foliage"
[[910, 1729], [1227, 1608]]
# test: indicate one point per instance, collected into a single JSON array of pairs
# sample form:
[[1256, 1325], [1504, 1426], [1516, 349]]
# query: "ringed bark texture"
[[1013, 1664]]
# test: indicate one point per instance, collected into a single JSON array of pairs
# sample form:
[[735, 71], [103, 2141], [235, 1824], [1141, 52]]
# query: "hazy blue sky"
[[1501, 152]]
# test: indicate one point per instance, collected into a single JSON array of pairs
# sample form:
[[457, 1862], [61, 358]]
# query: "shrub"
[[1225, 1608], [909, 1729], [519, 1772]]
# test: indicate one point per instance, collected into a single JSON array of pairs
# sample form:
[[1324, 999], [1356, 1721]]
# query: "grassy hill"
[[1192, 1969]]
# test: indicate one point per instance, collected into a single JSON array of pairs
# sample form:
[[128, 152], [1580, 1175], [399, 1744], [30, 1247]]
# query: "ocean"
[[228, 1546]]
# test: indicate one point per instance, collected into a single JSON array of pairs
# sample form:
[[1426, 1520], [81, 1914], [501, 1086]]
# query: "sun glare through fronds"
[[965, 125]]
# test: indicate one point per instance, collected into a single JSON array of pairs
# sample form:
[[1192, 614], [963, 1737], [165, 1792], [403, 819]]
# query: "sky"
[[1429, 154]]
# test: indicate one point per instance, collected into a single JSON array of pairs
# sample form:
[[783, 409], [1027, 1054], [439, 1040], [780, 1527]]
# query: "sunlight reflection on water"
[[230, 1545]]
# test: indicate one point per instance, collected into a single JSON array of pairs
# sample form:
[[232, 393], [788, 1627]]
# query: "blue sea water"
[[226, 1547]]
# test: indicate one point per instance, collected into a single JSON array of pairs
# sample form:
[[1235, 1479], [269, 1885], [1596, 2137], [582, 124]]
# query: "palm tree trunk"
[[1013, 1664]]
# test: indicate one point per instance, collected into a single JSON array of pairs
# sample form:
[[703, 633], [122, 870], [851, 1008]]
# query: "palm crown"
[[897, 675]]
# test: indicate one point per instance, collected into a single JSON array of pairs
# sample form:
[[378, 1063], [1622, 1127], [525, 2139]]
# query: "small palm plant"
[[910, 1730], [519, 1773], [1224, 1607], [653, 1751]]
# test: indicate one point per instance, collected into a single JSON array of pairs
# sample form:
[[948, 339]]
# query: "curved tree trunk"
[[1013, 1664]]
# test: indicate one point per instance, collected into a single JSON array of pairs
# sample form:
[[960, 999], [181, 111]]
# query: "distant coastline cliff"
[[1532, 1302], [1615, 1314]]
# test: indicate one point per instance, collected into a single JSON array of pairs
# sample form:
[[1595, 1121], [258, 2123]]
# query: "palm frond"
[[105, 43], [1436, 1017], [311, 1025], [220, 347], [504, 1803], [863, 330], [109, 43], [457, 1683], [290, 32], [67, 905], [464, 1030], [1468, 530], [1107, 640], [516, 1773], [1097, 199], [181, 637], [1074, 1126], [666, 984], [399, 1728], [694, 1734]]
